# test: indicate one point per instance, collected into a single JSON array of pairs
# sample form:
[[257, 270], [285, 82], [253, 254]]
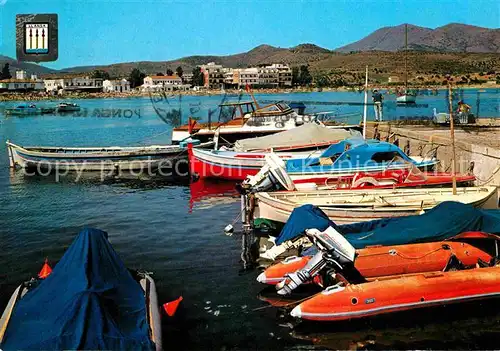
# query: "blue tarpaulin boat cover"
[[90, 301], [442, 222]]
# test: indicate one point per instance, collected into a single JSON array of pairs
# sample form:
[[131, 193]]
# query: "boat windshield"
[[235, 110]]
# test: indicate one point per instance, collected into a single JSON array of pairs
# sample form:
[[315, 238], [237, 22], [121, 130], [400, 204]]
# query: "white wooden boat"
[[347, 206], [96, 158]]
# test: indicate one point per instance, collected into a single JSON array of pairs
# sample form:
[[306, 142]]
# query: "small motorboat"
[[245, 119], [374, 262], [248, 156], [357, 296], [341, 302], [90, 301], [273, 176], [23, 110], [351, 163], [406, 98], [68, 107]]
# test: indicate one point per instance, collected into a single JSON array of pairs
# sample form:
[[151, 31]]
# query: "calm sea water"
[[164, 226]]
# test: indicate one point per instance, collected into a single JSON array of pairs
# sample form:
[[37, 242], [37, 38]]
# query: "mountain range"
[[452, 44], [453, 37]]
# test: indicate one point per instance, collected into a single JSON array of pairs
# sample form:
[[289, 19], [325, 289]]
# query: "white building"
[[22, 83], [74, 84], [249, 76], [118, 85], [21, 75], [168, 83]]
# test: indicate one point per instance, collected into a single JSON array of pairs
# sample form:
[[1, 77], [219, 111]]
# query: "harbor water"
[[164, 225]]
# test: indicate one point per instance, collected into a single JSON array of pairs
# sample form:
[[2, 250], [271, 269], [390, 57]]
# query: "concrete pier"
[[477, 146]]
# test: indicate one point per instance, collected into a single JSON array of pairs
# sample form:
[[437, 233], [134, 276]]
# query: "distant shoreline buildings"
[[215, 76], [273, 76]]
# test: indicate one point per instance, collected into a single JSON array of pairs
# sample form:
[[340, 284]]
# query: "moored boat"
[[96, 158], [242, 120], [67, 107], [23, 110], [347, 206], [248, 156], [407, 97], [340, 302], [372, 262], [89, 301]]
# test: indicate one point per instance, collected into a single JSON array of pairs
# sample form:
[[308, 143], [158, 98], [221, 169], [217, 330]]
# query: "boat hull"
[[231, 165], [400, 294], [406, 99], [95, 159], [347, 206], [382, 261]]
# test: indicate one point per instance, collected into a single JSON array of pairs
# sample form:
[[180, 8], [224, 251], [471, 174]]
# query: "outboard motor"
[[272, 176], [333, 249]]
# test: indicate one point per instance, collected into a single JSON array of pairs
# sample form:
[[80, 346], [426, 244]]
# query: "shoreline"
[[37, 96]]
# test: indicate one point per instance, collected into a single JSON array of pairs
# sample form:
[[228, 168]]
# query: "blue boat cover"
[[90, 301], [442, 222]]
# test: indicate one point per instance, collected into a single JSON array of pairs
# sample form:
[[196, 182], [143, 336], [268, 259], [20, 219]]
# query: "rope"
[[484, 182]]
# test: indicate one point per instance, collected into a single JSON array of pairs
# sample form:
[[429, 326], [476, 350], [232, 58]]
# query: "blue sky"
[[109, 31]]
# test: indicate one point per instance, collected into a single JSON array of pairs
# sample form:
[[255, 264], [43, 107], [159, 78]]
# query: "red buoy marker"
[[171, 307], [45, 271]]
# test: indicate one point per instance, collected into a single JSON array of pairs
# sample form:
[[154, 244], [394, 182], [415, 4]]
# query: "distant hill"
[[31, 68], [262, 54], [453, 37], [451, 48]]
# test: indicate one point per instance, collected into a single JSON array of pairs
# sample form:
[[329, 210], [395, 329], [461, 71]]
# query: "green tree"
[[322, 80], [169, 72], [179, 71], [198, 78], [100, 74], [136, 78], [305, 76], [5, 74], [159, 74], [295, 76]]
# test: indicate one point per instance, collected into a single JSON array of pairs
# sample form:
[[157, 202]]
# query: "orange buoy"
[[45, 271], [171, 307]]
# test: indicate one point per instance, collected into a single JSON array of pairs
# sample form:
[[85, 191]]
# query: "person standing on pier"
[[463, 111], [377, 104]]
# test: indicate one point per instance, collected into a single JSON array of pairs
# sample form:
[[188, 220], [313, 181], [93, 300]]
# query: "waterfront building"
[[22, 83], [67, 83], [275, 75], [268, 76], [187, 78], [213, 75], [249, 76], [164, 83], [118, 85]]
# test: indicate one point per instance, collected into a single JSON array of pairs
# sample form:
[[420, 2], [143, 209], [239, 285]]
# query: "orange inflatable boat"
[[467, 249], [340, 302]]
